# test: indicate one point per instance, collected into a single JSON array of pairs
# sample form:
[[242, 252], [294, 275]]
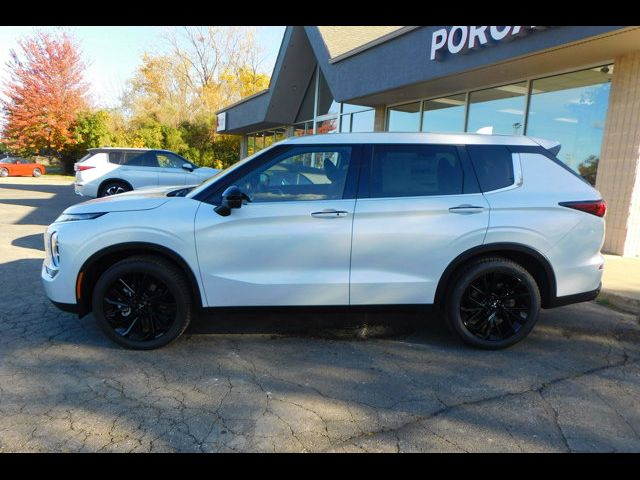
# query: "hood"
[[206, 171], [142, 199]]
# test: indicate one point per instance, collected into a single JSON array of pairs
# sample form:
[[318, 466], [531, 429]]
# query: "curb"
[[621, 302]]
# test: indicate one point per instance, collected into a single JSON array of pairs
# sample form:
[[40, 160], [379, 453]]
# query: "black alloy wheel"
[[494, 304], [113, 188], [142, 302]]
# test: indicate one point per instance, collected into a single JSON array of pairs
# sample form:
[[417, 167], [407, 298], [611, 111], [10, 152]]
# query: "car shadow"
[[35, 242], [44, 209], [340, 324]]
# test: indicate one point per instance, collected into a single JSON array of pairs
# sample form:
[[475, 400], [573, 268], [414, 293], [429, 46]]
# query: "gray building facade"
[[579, 85]]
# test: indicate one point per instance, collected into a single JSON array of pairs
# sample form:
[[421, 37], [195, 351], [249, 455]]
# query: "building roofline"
[[243, 100], [371, 44]]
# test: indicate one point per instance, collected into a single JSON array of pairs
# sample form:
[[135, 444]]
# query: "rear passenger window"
[[415, 171], [140, 159], [493, 165]]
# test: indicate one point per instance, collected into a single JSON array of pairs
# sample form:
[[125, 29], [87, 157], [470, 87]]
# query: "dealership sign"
[[460, 39], [222, 122]]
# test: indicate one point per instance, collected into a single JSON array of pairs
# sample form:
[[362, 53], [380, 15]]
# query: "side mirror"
[[188, 167], [232, 198]]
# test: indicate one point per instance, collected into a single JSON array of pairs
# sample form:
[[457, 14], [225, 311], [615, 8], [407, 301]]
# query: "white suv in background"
[[489, 229], [107, 171]]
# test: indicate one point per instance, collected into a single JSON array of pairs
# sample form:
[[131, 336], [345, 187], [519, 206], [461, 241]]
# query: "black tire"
[[36, 172], [161, 316], [113, 188], [493, 303], [4, 172]]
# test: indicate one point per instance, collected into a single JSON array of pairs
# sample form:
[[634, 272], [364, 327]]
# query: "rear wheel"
[[36, 172], [142, 302], [113, 188], [4, 172], [494, 303]]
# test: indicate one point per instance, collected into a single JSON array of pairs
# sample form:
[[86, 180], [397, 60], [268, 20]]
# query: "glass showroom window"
[[498, 110], [358, 121], [571, 108], [329, 125], [404, 118], [444, 114]]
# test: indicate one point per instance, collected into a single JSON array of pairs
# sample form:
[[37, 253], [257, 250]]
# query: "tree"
[[172, 99], [589, 168], [44, 93]]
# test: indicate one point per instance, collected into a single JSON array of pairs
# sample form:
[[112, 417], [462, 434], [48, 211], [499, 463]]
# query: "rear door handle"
[[466, 209], [329, 213]]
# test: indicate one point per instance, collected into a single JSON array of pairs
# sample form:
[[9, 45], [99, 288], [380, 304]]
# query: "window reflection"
[[444, 114], [498, 110], [327, 126], [571, 108], [404, 118]]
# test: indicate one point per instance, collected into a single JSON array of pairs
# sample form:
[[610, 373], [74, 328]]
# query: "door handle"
[[329, 213], [466, 209]]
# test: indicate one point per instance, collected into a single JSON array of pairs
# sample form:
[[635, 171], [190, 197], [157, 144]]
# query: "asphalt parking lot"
[[572, 385]]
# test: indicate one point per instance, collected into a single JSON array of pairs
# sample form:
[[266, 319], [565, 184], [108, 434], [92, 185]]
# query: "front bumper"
[[67, 307]]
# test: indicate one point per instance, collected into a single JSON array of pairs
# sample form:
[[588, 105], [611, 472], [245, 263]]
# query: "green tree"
[[589, 168]]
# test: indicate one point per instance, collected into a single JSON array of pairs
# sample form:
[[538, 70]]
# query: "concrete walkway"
[[621, 283]]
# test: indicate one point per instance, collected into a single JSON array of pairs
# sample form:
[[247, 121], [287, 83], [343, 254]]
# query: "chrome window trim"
[[517, 176]]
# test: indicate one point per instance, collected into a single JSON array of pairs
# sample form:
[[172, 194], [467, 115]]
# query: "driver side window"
[[302, 173], [168, 160]]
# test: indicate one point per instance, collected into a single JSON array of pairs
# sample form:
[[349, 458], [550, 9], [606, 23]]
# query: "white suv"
[[487, 228], [107, 171]]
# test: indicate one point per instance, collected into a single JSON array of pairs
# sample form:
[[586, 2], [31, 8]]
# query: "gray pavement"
[[572, 385]]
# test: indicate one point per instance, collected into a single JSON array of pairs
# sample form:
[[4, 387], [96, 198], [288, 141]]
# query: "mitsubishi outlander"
[[488, 229]]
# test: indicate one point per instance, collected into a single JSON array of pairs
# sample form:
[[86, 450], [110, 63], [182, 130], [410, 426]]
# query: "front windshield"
[[203, 185]]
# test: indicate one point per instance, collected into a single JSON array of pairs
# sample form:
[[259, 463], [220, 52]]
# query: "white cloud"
[[566, 120]]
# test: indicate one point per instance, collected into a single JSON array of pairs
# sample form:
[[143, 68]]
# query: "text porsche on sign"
[[460, 39]]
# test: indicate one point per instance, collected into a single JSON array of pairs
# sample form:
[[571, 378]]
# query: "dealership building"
[[579, 85]]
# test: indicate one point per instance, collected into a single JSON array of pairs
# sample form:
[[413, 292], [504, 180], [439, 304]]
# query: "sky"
[[113, 53]]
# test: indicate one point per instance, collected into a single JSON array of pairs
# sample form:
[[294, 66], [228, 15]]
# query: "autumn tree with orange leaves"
[[44, 93]]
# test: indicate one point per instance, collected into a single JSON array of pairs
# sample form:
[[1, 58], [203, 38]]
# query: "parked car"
[[16, 166], [108, 171], [488, 229]]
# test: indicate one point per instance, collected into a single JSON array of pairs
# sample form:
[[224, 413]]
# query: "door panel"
[[401, 246], [170, 171], [424, 209], [140, 169], [275, 254], [291, 244]]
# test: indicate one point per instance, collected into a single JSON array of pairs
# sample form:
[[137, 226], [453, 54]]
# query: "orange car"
[[14, 166]]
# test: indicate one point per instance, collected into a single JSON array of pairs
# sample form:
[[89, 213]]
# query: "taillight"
[[594, 207], [81, 168]]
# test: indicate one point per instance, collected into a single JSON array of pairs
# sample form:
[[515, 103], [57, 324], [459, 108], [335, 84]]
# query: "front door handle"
[[466, 209], [329, 213]]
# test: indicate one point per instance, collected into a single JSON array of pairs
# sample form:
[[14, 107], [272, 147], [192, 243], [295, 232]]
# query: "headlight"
[[72, 217], [55, 249]]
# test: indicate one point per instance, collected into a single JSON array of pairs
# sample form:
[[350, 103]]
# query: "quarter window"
[[493, 165], [415, 170], [300, 174]]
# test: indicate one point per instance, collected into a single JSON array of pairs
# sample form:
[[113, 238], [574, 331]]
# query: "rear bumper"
[[576, 298]]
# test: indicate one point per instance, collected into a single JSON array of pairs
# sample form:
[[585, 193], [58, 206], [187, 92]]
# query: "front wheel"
[[142, 302], [36, 172], [4, 172], [493, 304]]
